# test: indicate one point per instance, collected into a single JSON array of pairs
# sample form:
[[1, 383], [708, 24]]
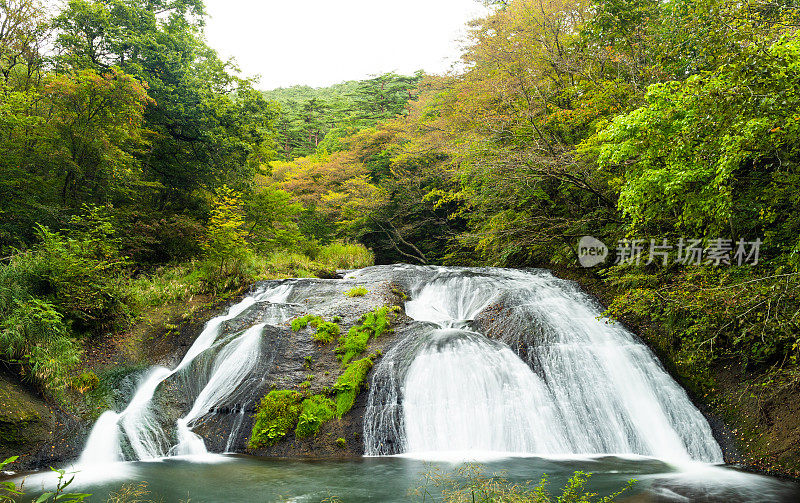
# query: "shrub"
[[157, 239], [341, 442], [34, 333], [358, 291], [349, 384], [165, 285], [80, 274], [314, 411], [226, 233], [275, 416]]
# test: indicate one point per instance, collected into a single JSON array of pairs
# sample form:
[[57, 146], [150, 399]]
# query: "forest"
[[138, 169]]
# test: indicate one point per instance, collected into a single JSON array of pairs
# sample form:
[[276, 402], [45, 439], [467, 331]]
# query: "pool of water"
[[236, 478]]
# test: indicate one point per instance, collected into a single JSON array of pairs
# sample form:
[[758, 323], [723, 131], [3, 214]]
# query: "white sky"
[[322, 42]]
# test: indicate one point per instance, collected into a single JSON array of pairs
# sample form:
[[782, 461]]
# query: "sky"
[[322, 42]]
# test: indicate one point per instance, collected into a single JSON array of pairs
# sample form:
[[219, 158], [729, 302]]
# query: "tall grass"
[[345, 256]]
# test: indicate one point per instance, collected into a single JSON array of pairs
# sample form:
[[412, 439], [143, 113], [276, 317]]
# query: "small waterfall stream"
[[219, 362]]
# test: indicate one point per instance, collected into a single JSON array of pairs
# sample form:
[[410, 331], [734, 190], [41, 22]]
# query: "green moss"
[[25, 420], [349, 384], [314, 411], [326, 332], [358, 291], [373, 324], [341, 442], [304, 321], [275, 416]]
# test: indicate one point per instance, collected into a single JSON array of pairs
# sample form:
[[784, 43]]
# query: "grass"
[[276, 415], [358, 291], [177, 282], [345, 256], [288, 263]]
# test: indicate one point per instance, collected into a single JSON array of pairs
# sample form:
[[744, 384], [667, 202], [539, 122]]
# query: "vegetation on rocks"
[[306, 320], [314, 411], [306, 413], [372, 325], [276, 415], [350, 383], [326, 332]]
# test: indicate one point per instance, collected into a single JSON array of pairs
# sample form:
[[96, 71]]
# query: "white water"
[[538, 374], [585, 387], [138, 425], [465, 393]]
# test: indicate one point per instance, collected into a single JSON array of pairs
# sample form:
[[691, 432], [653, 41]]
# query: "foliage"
[[305, 320], [7, 489], [471, 483], [314, 411], [358, 291], [707, 315], [276, 415], [313, 119], [59, 496], [326, 332], [226, 234], [372, 325], [349, 384], [342, 443], [67, 285], [271, 219]]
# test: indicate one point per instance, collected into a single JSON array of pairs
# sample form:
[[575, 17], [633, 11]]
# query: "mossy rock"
[[276, 415], [25, 420], [314, 411]]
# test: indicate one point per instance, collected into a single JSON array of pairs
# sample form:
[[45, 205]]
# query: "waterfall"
[[511, 361], [217, 362], [515, 362]]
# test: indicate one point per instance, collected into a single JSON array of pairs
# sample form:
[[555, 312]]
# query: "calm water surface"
[[389, 479]]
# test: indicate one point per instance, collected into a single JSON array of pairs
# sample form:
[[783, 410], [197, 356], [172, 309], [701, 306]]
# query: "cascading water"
[[495, 361], [218, 363], [521, 362]]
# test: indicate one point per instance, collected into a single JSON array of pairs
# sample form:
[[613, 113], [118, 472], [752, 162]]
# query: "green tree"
[[226, 241]]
